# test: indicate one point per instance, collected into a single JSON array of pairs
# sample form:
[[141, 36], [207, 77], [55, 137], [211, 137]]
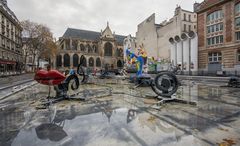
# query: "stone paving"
[[124, 116]]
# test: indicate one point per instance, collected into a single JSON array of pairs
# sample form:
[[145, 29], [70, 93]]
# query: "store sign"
[[7, 62]]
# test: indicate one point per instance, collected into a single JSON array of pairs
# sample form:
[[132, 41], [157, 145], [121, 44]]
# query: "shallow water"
[[124, 116]]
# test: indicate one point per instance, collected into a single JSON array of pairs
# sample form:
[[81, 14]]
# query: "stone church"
[[97, 50]]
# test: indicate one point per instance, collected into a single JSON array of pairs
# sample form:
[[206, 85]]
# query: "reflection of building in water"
[[214, 92], [207, 91], [11, 122], [154, 123], [50, 131], [132, 114], [189, 92]]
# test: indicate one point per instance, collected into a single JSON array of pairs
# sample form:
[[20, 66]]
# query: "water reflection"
[[132, 114], [80, 128], [119, 119], [50, 131]]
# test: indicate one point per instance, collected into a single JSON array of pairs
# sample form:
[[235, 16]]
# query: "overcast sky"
[[123, 15]]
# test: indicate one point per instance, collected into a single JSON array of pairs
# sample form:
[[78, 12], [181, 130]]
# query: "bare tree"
[[39, 41]]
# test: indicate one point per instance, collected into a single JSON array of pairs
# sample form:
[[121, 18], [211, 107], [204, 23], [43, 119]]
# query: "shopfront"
[[8, 67]]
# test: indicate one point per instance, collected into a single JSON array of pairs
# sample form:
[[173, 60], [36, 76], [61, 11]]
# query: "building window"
[[95, 49], [215, 57], [215, 28], [215, 15], [59, 61], [91, 62], [189, 28], [185, 28], [74, 44], [238, 36], [67, 44], [119, 64], [237, 8], [238, 56], [75, 60], [83, 61], [82, 48], [184, 16], [66, 60], [189, 18], [215, 40], [98, 62], [89, 48], [108, 49], [237, 22]]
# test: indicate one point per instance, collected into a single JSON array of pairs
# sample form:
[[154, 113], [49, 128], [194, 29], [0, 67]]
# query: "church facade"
[[97, 50]]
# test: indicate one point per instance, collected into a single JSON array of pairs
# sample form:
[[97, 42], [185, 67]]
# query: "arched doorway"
[[119, 64], [83, 61], [66, 60], [59, 61], [91, 62], [98, 62], [75, 60], [108, 49]]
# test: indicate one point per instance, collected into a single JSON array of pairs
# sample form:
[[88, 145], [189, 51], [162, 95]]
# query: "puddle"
[[122, 116], [119, 126]]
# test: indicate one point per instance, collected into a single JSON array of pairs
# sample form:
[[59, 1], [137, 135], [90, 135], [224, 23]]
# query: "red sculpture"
[[51, 77]]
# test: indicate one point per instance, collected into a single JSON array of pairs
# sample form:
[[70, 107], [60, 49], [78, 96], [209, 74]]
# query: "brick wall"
[[201, 29], [228, 22]]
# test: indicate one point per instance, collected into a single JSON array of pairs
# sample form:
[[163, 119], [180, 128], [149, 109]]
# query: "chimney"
[[196, 6]]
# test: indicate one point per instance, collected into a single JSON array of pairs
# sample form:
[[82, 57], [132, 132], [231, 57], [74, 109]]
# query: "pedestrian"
[[72, 71], [48, 67]]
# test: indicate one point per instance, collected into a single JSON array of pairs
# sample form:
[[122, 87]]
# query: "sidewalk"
[[15, 80], [204, 78]]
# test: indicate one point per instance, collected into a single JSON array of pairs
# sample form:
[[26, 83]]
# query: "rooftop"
[[88, 35]]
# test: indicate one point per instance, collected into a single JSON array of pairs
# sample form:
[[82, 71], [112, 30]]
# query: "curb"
[[205, 78], [23, 82], [17, 91]]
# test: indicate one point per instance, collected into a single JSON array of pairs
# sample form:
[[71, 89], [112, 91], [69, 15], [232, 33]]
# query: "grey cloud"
[[123, 15]]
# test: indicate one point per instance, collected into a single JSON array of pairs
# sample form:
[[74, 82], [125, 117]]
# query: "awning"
[[7, 62]]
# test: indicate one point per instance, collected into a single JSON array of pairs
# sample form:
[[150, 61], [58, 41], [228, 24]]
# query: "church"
[[97, 50]]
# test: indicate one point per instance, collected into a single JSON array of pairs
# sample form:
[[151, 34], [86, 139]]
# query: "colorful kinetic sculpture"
[[139, 60]]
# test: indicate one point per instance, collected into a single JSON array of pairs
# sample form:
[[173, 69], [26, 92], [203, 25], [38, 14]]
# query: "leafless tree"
[[38, 42]]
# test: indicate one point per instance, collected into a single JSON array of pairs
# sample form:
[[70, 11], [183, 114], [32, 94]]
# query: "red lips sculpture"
[[52, 77]]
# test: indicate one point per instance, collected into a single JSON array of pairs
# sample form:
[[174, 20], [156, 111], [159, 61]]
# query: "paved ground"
[[115, 114], [15, 80]]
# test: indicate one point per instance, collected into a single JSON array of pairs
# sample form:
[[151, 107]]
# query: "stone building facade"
[[11, 59], [97, 49], [155, 37], [219, 35]]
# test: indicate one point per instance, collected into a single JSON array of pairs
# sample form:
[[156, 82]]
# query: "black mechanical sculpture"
[[234, 82]]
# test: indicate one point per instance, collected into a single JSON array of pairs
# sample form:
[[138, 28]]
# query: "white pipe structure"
[[179, 50], [194, 51], [173, 51], [184, 51]]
